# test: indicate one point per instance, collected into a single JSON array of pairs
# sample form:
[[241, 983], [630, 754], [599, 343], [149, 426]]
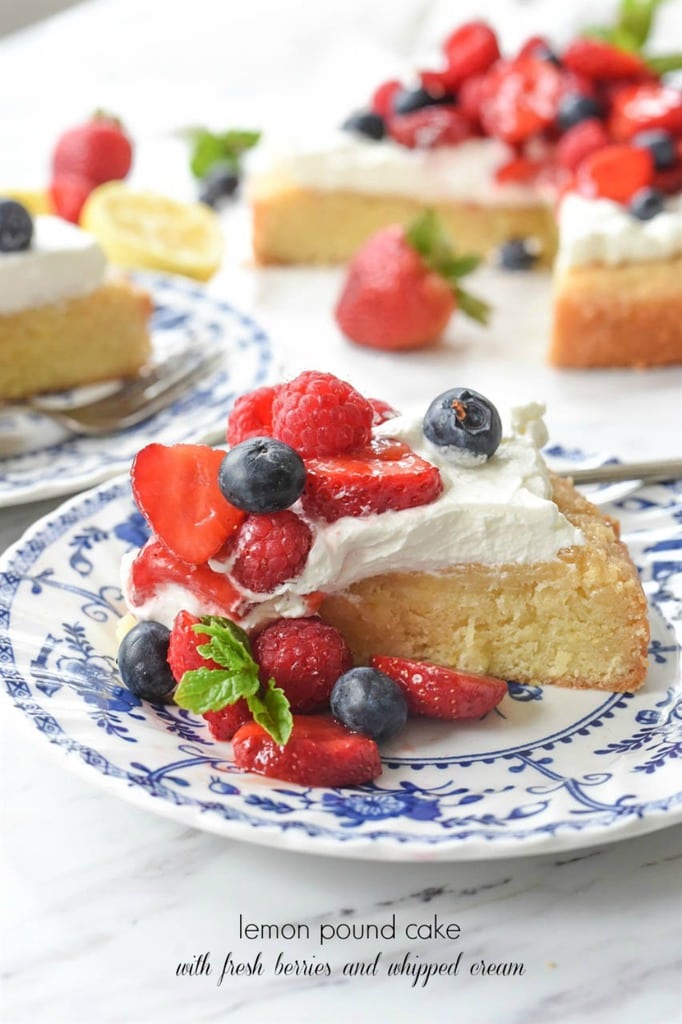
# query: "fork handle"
[[647, 472]]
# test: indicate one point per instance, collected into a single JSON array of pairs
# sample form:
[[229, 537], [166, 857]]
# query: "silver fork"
[[135, 400]]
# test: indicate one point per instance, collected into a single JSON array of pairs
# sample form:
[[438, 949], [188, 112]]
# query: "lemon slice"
[[36, 201], [143, 229]]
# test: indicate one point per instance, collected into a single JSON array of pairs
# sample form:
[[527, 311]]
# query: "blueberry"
[[575, 107], [646, 203], [517, 254], [407, 100], [262, 475], [142, 662], [464, 420], [660, 144], [366, 122], [368, 701], [221, 182], [16, 226]]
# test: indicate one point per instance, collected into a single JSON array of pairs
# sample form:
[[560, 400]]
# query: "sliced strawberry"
[[470, 50], [521, 99], [603, 62], [519, 170], [430, 127], [320, 752], [615, 172], [155, 565], [438, 692], [470, 97], [381, 411], [387, 475], [176, 489], [579, 142], [649, 105]]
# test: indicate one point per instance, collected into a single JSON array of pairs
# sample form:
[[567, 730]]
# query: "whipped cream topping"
[[500, 512], [602, 231], [342, 161], [62, 262]]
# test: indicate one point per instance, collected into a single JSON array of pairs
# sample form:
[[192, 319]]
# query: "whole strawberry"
[[402, 287], [84, 157]]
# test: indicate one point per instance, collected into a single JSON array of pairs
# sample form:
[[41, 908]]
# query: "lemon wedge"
[[143, 229], [36, 200]]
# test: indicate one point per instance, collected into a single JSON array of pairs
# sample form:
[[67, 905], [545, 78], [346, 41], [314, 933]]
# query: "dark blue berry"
[[461, 418], [646, 203], [221, 182], [575, 107], [660, 144], [16, 226], [368, 701], [142, 662], [366, 122], [407, 100], [517, 254], [262, 475]]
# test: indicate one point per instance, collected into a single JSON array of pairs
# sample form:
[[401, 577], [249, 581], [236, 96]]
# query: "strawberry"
[[602, 62], [176, 489], [155, 565], [401, 287], [438, 692], [470, 50], [470, 96], [68, 193], [387, 475], [579, 142], [518, 170], [615, 172], [640, 107], [430, 127], [98, 151], [520, 99], [320, 752], [183, 656]]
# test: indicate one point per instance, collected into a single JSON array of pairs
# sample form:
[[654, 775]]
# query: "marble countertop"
[[113, 914]]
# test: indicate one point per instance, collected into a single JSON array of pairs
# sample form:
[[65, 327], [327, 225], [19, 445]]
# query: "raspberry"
[[223, 724], [579, 141], [269, 550], [615, 172], [471, 49], [251, 415], [430, 127], [305, 657], [319, 415]]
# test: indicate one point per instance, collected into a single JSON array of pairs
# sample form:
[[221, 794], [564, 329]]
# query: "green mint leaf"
[[271, 710], [665, 62], [210, 148], [210, 689], [472, 306], [635, 20], [229, 644]]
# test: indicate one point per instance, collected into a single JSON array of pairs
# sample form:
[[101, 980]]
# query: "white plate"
[[51, 462], [551, 770]]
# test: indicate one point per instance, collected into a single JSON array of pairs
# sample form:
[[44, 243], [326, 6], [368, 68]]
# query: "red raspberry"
[[305, 657], [430, 127], [579, 141], [470, 49], [251, 415], [382, 98], [318, 414], [223, 724], [270, 549], [615, 172], [603, 62]]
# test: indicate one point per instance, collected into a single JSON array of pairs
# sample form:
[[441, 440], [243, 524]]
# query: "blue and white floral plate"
[[549, 770], [46, 461]]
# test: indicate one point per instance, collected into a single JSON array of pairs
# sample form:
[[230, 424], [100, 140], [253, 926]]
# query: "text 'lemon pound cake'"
[[63, 323]]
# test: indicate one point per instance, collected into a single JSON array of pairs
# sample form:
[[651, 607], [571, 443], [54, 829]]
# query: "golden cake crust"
[[578, 621], [100, 336]]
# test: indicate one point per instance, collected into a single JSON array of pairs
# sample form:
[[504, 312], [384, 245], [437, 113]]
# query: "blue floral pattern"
[[554, 769], [50, 462]]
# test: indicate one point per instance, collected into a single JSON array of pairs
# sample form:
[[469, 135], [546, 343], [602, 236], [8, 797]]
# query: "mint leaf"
[[474, 307], [210, 689], [665, 62], [271, 711], [210, 148]]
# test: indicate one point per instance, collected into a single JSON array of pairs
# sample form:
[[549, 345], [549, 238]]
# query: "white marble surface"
[[103, 901]]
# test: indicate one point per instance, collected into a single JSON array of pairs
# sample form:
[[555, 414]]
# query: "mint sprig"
[[211, 689], [631, 31], [427, 235], [210, 148]]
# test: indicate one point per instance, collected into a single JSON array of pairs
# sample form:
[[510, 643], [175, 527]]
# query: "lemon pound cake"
[[62, 322], [437, 538]]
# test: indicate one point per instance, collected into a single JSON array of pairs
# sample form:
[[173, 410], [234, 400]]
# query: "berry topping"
[[382, 98], [320, 752], [318, 414], [579, 142], [464, 421], [219, 184], [142, 662], [470, 49], [430, 127], [251, 415], [438, 692], [176, 489], [183, 656], [366, 700], [269, 550], [517, 254], [367, 123], [575, 108], [16, 226], [660, 144], [381, 411], [602, 62], [406, 101], [68, 193], [615, 172], [649, 105], [646, 203], [402, 287], [97, 151], [387, 476], [262, 475], [305, 657], [521, 99], [539, 48]]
